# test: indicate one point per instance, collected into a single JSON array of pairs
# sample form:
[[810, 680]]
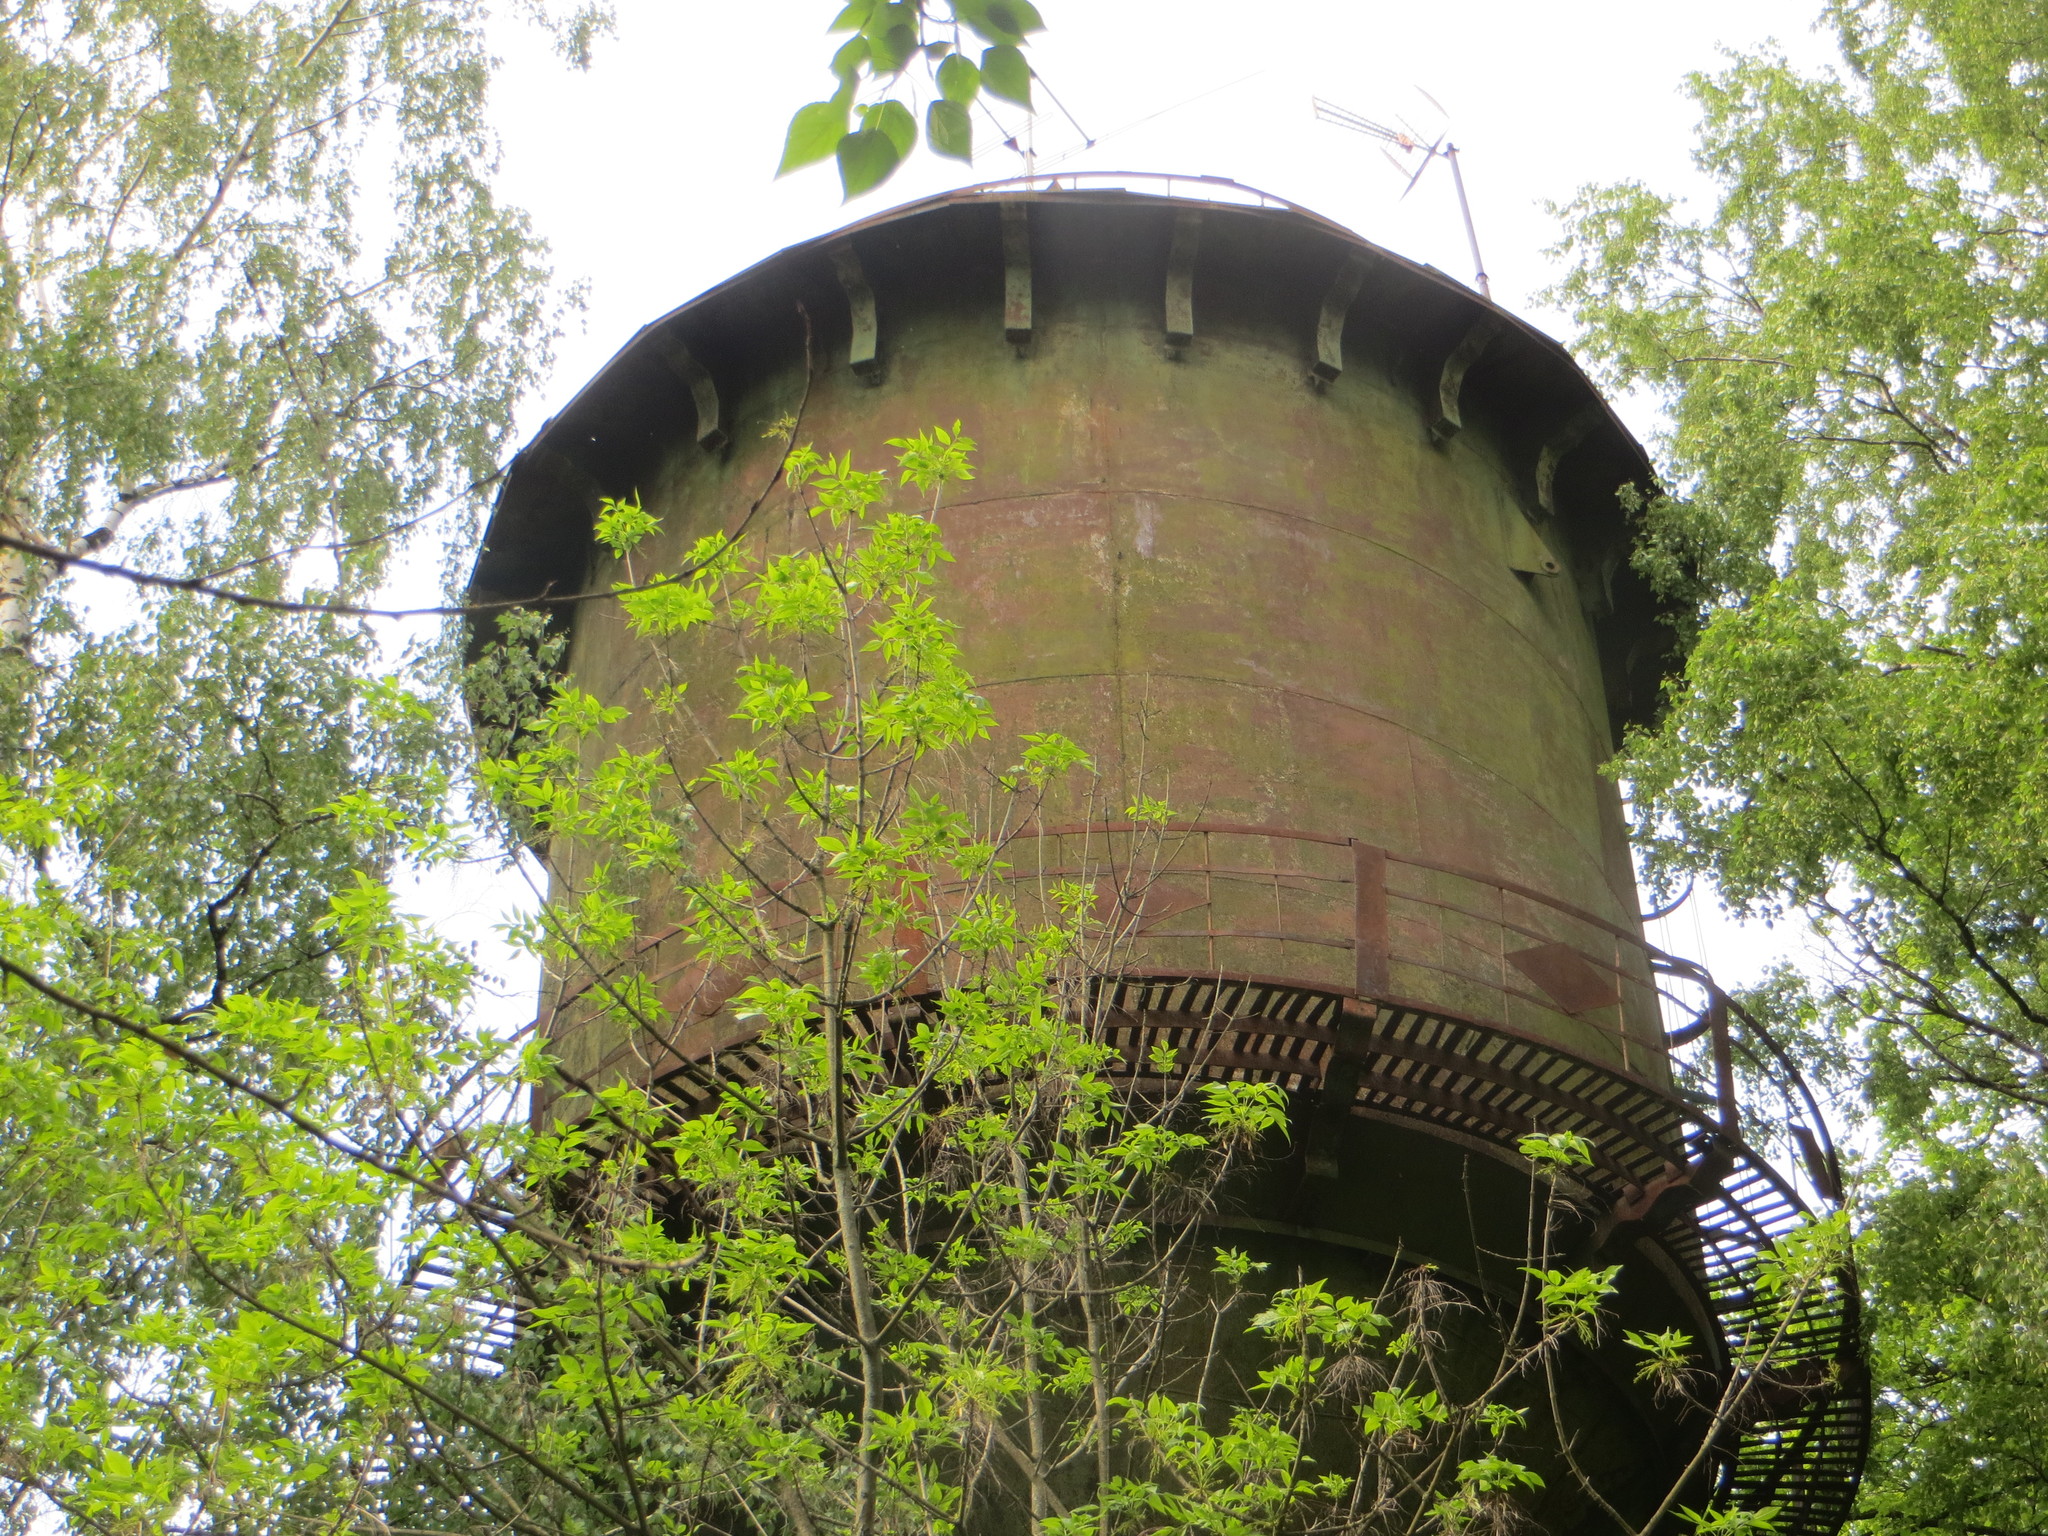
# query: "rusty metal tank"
[[1326, 543], [1333, 554]]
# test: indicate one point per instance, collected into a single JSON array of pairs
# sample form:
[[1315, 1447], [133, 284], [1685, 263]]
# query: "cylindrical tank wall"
[[1369, 630], [1308, 617]]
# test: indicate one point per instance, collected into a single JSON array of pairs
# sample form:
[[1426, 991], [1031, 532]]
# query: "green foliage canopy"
[[253, 249], [262, 315], [1852, 345]]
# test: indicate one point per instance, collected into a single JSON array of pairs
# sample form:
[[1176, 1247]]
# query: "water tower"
[[1341, 551]]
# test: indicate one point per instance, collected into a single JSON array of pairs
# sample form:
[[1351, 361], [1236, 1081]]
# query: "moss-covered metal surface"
[[1272, 603]]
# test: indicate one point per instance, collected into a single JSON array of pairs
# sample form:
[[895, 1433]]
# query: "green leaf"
[[892, 32], [866, 160], [894, 119], [1019, 17], [959, 80], [1005, 74], [999, 21], [622, 525], [949, 130], [893, 50], [1496, 1474], [885, 18], [854, 17], [852, 54], [814, 133]]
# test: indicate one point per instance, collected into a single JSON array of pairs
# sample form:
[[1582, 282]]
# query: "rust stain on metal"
[[1369, 901], [1141, 910], [1566, 977]]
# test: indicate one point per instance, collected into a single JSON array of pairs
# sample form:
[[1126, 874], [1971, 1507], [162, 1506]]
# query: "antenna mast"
[[1329, 112], [1450, 153]]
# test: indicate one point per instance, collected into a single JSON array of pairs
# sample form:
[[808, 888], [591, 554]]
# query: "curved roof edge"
[[1219, 190], [1636, 659]]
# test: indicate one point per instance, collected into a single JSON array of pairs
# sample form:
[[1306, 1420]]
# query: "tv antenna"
[[1410, 143], [1023, 142]]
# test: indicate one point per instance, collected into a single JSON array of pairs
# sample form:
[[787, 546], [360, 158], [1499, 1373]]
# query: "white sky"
[[652, 174]]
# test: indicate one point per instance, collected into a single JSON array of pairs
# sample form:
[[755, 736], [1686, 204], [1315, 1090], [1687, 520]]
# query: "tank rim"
[[1267, 203], [1641, 651]]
